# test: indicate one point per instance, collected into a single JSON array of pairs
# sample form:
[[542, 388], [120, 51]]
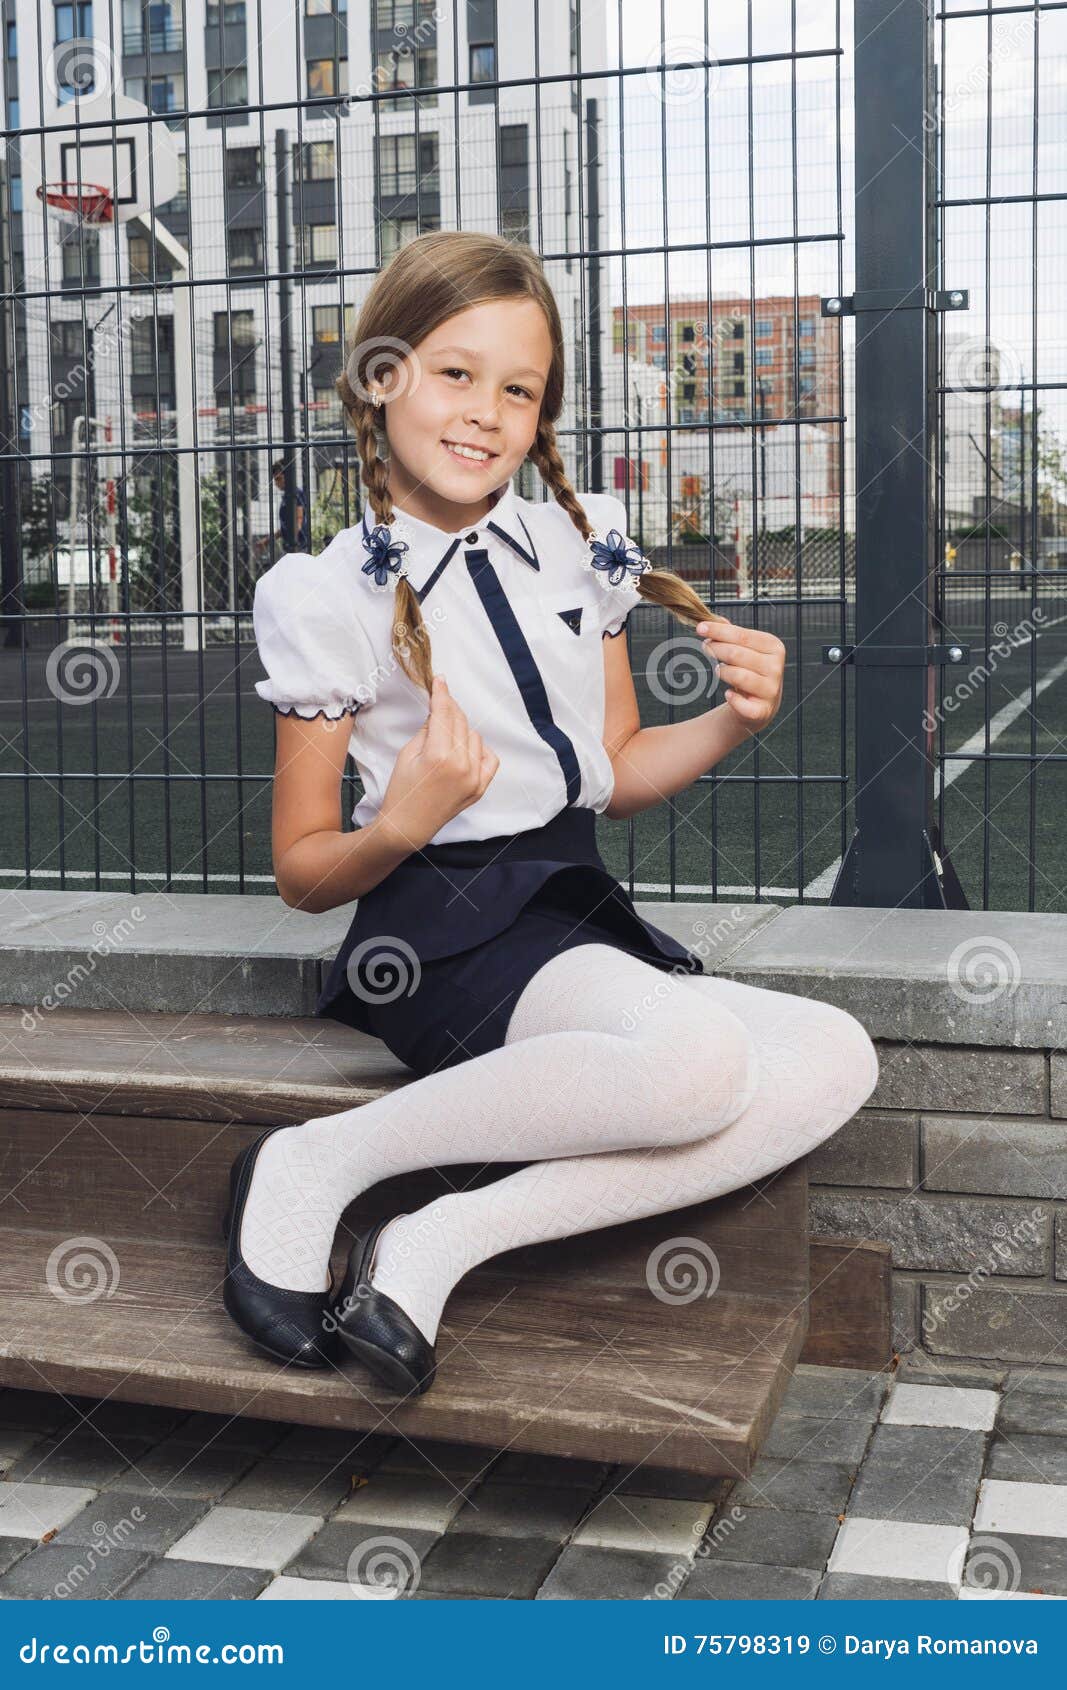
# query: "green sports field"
[[182, 749]]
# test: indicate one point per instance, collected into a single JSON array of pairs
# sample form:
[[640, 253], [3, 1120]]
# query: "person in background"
[[293, 531]]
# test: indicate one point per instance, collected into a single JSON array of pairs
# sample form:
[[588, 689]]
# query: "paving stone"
[[286, 1589], [230, 1431], [195, 1581], [15, 1442], [1028, 1455], [919, 1367], [522, 1511], [815, 1487], [929, 1474], [12, 1549], [521, 1467], [492, 1566], [940, 1405], [746, 1581], [813, 1438], [1013, 1505], [844, 1393], [186, 1470], [772, 1538], [70, 1573], [79, 1458], [403, 1500], [1027, 1562], [37, 1411], [369, 1551], [667, 1481], [1030, 1410], [650, 1525], [906, 1549], [28, 1510], [306, 1486], [363, 1450], [1051, 1380], [246, 1537], [132, 1520], [854, 1587], [606, 1575]]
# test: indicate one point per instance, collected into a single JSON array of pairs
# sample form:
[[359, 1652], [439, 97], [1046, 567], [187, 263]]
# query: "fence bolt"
[[955, 654], [835, 654], [833, 306], [956, 298]]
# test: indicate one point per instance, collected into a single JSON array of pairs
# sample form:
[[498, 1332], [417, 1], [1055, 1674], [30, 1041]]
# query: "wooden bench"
[[120, 1129]]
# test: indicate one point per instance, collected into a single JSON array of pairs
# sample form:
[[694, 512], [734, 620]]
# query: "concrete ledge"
[[959, 977]]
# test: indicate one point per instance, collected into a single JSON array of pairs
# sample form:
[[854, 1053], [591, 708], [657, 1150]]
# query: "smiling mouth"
[[470, 454]]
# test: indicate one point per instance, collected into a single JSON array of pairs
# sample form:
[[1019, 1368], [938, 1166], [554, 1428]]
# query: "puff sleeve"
[[616, 602], [318, 657]]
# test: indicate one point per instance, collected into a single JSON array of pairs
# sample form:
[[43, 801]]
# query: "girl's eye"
[[456, 372]]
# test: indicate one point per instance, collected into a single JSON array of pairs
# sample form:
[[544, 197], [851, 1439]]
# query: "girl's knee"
[[851, 1049], [709, 1068]]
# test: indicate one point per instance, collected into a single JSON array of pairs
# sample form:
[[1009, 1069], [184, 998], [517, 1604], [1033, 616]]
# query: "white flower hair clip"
[[615, 559]]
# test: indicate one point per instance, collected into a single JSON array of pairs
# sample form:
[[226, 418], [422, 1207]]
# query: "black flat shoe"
[[376, 1330], [292, 1326]]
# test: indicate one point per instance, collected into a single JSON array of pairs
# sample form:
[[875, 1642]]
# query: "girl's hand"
[[442, 769], [753, 663]]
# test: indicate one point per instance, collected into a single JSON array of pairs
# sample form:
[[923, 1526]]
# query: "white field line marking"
[[822, 885]]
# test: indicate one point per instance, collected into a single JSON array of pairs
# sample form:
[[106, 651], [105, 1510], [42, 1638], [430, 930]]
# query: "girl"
[[461, 643]]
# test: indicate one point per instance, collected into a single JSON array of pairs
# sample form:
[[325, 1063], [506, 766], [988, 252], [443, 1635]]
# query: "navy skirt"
[[439, 951]]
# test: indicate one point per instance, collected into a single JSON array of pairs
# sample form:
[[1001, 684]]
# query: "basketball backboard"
[[103, 142]]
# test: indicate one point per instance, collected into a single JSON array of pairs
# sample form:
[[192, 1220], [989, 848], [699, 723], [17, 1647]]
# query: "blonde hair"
[[427, 281]]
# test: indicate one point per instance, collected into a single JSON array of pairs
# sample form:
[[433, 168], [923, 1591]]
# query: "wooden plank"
[[850, 1305], [543, 1365]]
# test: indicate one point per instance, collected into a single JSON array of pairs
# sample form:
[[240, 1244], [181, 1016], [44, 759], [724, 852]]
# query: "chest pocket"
[[569, 620]]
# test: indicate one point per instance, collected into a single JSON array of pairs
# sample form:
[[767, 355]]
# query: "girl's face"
[[480, 380]]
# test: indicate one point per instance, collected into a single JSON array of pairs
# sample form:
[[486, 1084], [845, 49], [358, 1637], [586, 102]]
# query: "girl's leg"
[[816, 1064], [591, 1078]]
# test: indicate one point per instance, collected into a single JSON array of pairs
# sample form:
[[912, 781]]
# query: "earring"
[[616, 558], [376, 400]]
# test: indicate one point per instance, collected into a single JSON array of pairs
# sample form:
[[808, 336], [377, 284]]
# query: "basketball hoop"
[[78, 202]]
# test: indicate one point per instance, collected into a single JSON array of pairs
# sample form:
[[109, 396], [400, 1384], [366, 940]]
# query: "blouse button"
[[472, 538]]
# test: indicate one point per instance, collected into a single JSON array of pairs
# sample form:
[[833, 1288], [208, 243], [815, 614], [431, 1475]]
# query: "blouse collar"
[[430, 548]]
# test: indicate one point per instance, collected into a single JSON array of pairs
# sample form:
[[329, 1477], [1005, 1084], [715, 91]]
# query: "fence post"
[[895, 858]]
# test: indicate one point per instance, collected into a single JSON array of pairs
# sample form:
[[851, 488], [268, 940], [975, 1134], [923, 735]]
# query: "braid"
[[659, 586], [410, 639]]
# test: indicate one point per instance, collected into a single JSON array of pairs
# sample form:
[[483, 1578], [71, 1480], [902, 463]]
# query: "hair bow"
[[617, 557], [385, 555]]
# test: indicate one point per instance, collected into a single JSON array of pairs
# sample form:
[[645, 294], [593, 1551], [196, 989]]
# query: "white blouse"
[[515, 609]]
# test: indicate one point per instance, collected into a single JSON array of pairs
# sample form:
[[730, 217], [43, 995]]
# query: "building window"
[[227, 87], [400, 173], [514, 145], [658, 334], [739, 390], [232, 12], [68, 341], [235, 358], [11, 41], [807, 355], [689, 390], [80, 245], [244, 250], [243, 167], [515, 224], [764, 327], [73, 23], [325, 8], [234, 328], [397, 231], [317, 163], [326, 77], [483, 62], [318, 245], [149, 262], [739, 360], [159, 94], [688, 332], [764, 355], [807, 326], [326, 324]]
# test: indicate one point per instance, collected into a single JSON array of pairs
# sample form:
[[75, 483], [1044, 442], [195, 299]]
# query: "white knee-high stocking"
[[816, 1064], [598, 1074]]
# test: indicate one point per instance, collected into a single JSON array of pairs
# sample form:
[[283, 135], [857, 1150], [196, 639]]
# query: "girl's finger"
[[748, 680]]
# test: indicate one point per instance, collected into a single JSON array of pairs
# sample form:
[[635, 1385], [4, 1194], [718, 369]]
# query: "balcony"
[[171, 39]]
